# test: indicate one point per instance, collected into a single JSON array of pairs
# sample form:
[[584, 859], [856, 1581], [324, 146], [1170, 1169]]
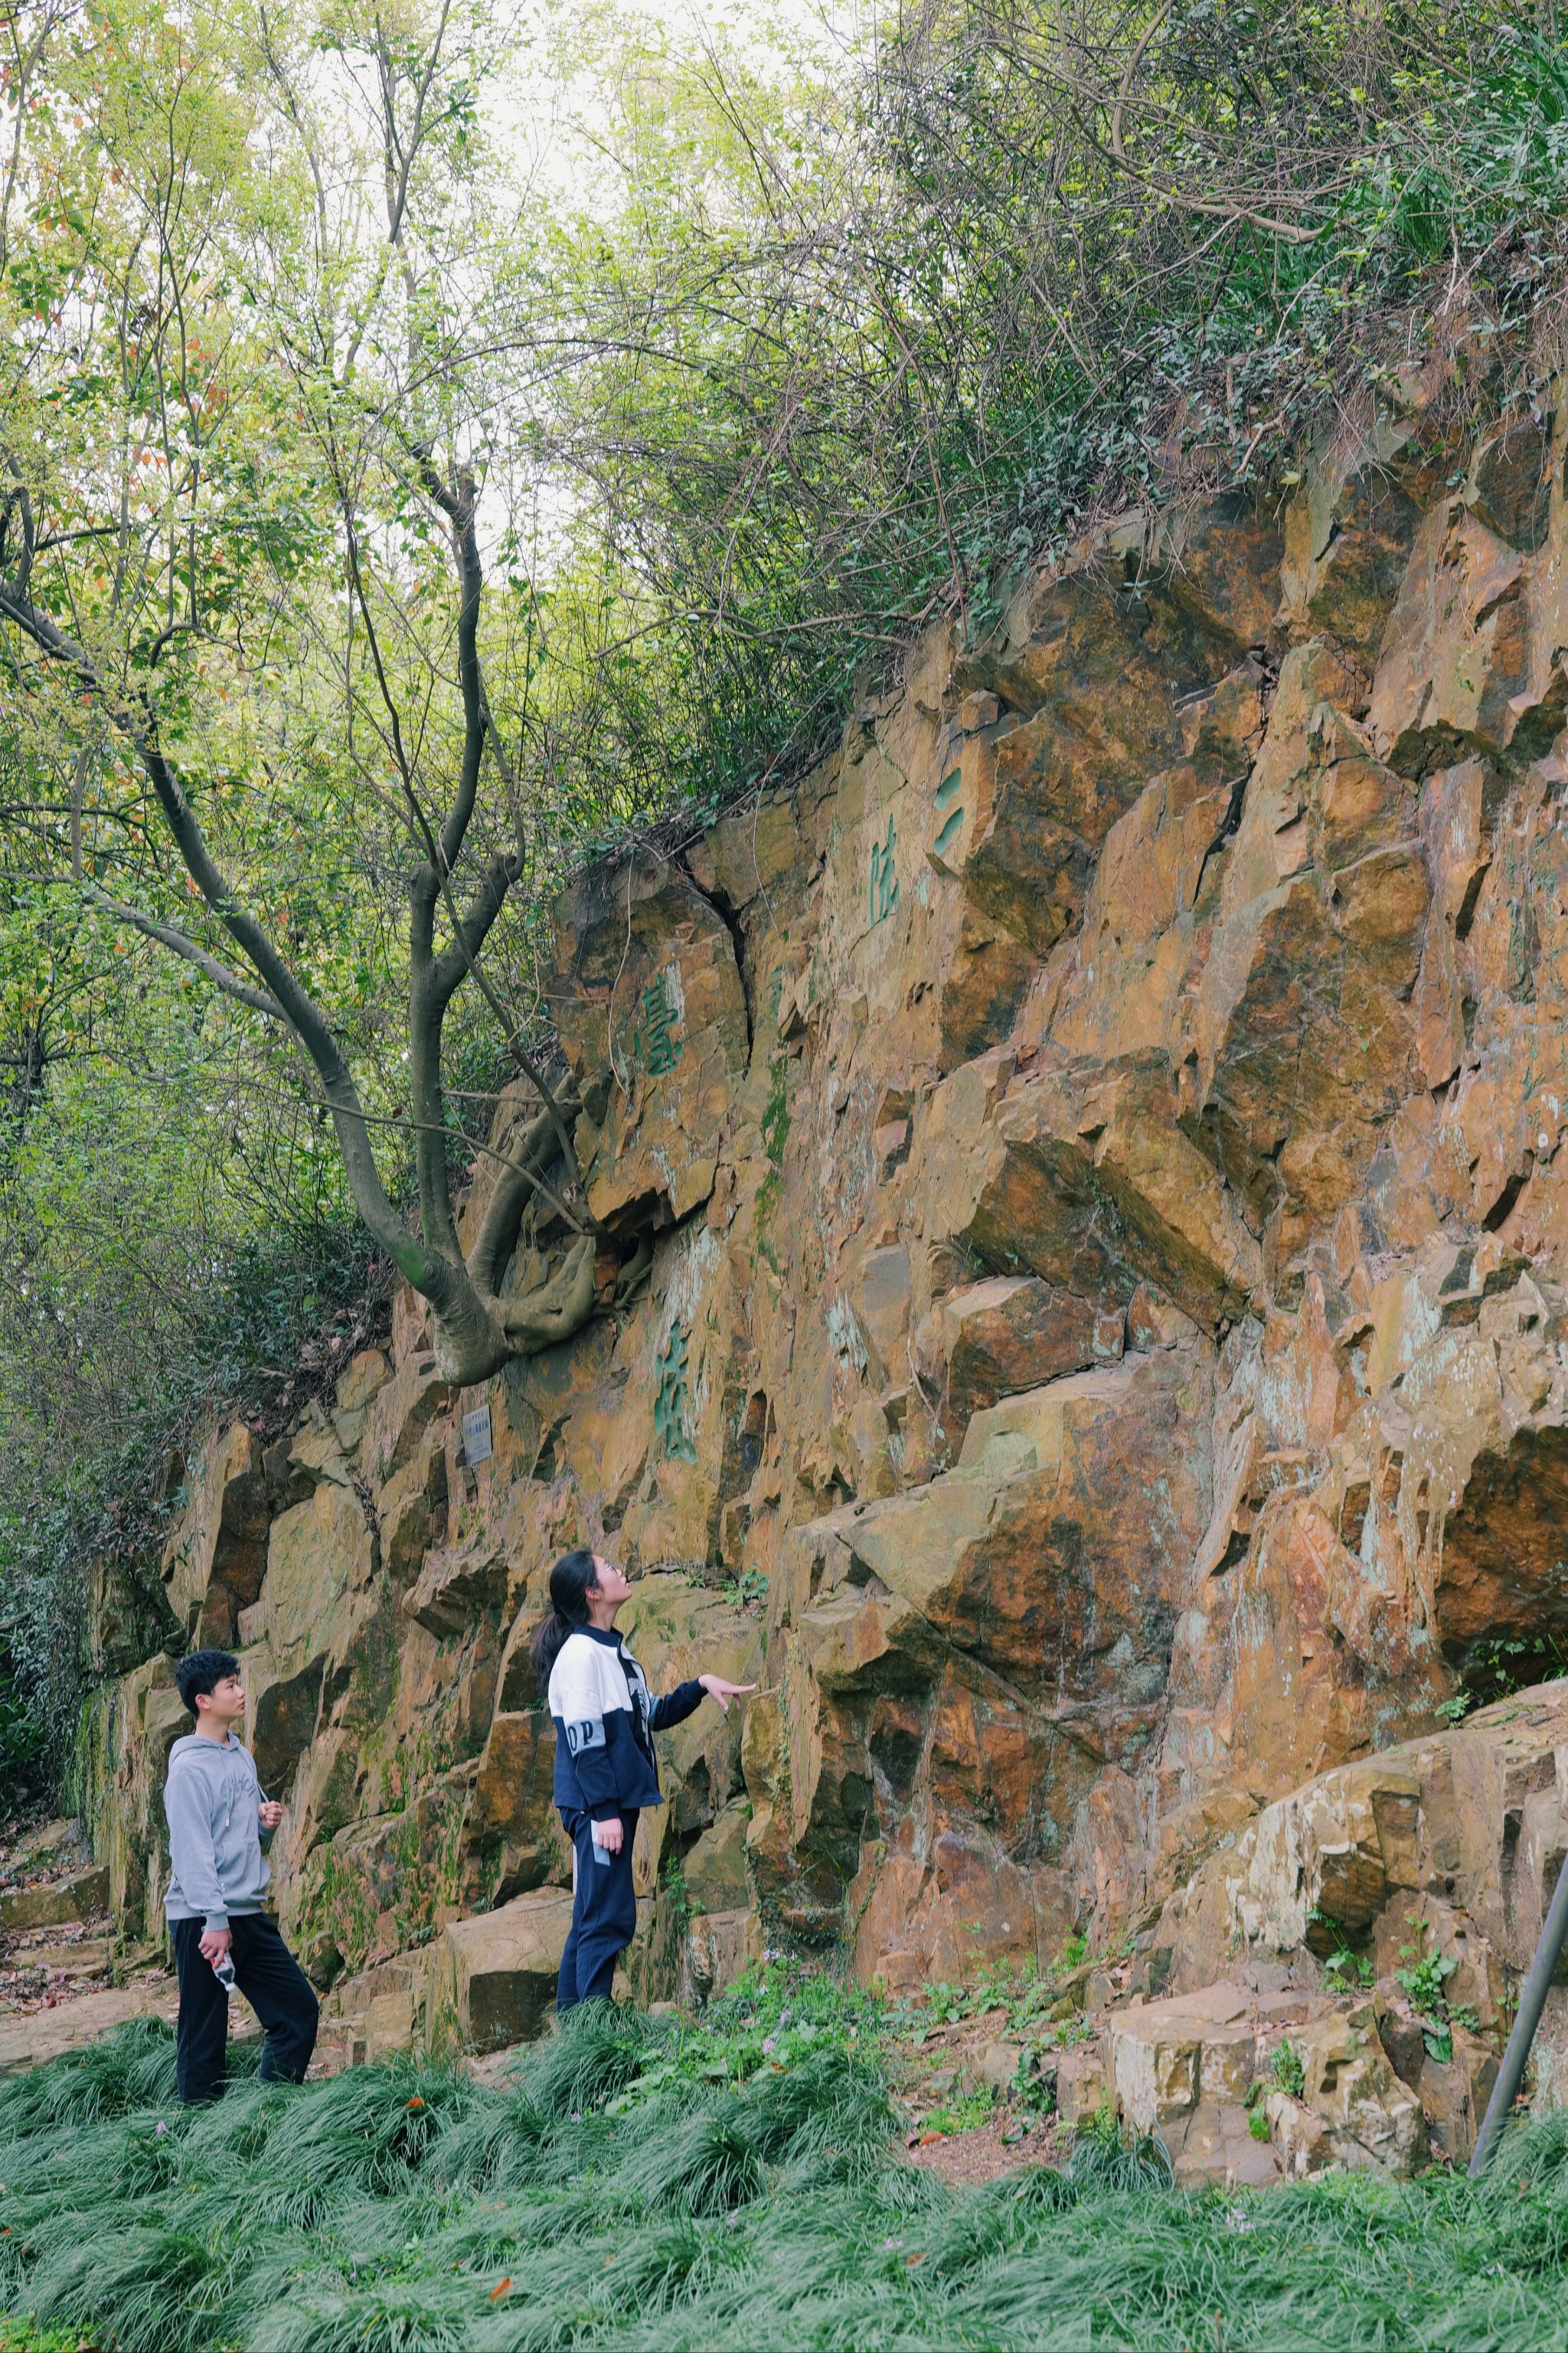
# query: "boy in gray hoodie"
[[218, 1818]]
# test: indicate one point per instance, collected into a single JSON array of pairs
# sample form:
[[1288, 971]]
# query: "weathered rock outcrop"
[[1091, 1155], [1197, 2070]]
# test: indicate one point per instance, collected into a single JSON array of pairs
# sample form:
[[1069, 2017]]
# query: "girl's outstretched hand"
[[717, 1688]]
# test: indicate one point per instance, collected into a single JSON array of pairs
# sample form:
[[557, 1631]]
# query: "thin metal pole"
[[1532, 2002]]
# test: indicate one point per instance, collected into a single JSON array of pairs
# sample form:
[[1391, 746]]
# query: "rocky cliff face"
[[1084, 1324]]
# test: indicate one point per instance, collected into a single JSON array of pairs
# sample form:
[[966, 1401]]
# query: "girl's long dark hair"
[[573, 1578]]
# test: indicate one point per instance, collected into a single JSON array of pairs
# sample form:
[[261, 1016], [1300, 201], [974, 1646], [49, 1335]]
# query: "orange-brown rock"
[[992, 1339], [1084, 1326], [650, 1004], [216, 1555]]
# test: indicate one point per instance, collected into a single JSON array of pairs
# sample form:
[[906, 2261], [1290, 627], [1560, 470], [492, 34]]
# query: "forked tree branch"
[[244, 992], [294, 1004], [498, 1233], [460, 508]]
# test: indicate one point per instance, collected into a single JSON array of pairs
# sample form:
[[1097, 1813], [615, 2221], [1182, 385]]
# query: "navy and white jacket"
[[604, 1724]]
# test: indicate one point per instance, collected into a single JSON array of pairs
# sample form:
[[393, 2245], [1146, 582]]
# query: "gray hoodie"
[[211, 1797]]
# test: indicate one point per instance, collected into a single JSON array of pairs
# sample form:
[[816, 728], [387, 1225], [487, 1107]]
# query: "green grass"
[[961, 2112], [1045, 2005], [650, 2184], [22, 2337]]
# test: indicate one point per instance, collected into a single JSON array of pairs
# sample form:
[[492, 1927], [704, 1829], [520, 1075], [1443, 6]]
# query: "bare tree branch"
[[243, 991]]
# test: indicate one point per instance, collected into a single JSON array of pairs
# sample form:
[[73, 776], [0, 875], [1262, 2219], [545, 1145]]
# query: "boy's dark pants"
[[273, 1983], [604, 1915]]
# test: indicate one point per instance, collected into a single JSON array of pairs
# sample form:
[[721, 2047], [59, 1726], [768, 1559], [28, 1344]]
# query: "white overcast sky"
[[524, 108]]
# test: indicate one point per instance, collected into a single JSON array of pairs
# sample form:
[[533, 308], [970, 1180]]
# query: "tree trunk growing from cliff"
[[477, 1330]]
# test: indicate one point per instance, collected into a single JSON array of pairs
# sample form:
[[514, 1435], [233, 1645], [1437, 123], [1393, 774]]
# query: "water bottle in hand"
[[223, 1971]]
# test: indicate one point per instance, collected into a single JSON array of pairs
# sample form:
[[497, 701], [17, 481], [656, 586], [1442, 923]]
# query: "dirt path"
[[26, 2041], [57, 1993]]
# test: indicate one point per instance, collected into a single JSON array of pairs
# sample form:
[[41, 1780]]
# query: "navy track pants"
[[604, 1915]]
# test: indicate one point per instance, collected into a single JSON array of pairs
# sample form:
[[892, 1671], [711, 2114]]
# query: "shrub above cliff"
[[858, 348]]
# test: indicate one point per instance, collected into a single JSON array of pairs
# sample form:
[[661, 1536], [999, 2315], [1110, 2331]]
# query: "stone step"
[[81, 1957], [53, 1902]]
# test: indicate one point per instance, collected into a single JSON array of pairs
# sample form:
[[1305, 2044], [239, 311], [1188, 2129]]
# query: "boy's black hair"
[[200, 1670]]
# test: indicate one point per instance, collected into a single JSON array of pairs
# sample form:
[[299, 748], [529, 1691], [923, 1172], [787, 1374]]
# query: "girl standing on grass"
[[605, 1771]]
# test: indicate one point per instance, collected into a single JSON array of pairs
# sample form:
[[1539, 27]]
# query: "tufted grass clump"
[[133, 2069], [606, 2050], [406, 2209]]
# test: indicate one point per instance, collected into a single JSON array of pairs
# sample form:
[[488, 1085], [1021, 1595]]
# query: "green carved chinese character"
[[884, 882], [660, 1045], [947, 793], [672, 1398]]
